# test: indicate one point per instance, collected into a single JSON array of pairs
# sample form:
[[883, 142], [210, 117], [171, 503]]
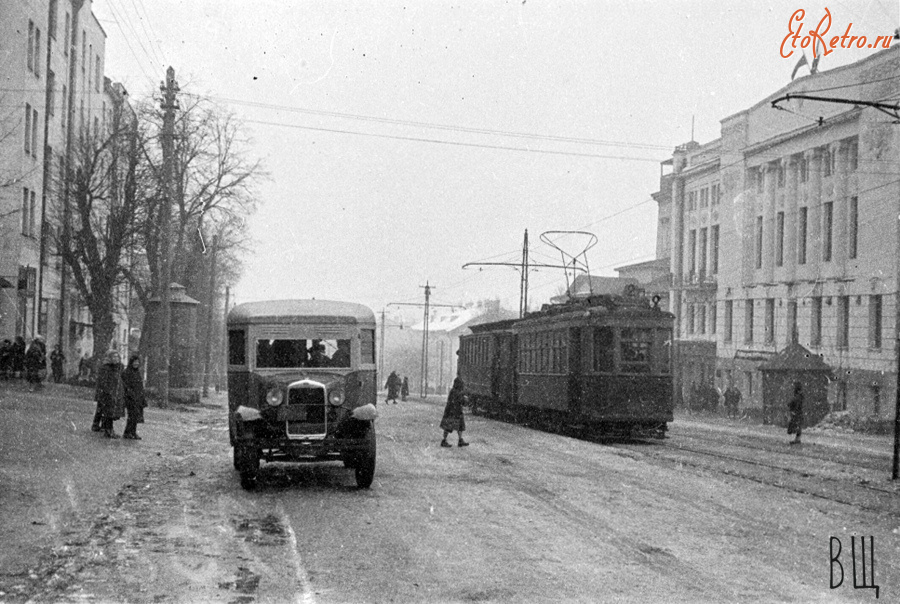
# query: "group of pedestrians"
[[395, 386], [119, 392], [18, 361]]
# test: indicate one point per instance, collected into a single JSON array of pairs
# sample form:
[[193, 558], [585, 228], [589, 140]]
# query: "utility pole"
[[428, 306], [381, 355], [524, 266], [523, 287], [424, 392], [169, 105], [209, 316]]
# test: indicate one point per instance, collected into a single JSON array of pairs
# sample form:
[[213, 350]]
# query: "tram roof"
[[297, 311]]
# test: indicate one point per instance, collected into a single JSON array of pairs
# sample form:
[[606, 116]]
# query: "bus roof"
[[301, 311]]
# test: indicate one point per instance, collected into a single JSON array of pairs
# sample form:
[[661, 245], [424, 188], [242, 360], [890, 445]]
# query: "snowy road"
[[717, 513]]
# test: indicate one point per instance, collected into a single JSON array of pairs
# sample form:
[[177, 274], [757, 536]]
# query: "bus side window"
[[367, 346], [237, 347]]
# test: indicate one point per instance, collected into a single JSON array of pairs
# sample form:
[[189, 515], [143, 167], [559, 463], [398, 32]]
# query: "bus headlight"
[[336, 397], [275, 396]]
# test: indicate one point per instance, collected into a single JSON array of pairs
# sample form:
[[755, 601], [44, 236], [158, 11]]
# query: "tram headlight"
[[336, 397], [275, 396]]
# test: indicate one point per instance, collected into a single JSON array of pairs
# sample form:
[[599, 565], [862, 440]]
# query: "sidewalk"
[[876, 445]]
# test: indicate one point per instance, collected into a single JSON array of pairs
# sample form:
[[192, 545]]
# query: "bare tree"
[[107, 205]]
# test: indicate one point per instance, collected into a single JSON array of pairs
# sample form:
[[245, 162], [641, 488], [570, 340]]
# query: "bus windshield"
[[284, 354]]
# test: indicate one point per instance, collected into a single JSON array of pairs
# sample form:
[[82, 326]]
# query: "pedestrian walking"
[[393, 387], [732, 401], [6, 355], [109, 395], [35, 364], [135, 401], [18, 357], [57, 364], [453, 419], [795, 407], [404, 388]]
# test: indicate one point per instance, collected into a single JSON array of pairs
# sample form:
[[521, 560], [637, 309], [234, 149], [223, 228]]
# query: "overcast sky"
[[392, 131]]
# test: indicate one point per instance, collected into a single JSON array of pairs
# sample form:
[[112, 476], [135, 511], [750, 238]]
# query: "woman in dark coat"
[[109, 395], [35, 364], [17, 356], [795, 407], [404, 388], [453, 414], [393, 387], [133, 386]]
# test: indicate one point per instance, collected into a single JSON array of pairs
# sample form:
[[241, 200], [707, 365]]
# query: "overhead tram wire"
[[122, 15], [454, 143], [130, 48], [151, 35], [452, 128]]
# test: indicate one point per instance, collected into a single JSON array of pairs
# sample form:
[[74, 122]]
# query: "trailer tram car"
[[602, 364]]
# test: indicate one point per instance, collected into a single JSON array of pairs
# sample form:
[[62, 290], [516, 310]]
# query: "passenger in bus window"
[[341, 356], [317, 356]]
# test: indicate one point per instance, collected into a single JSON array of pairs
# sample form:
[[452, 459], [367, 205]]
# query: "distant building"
[[584, 285]]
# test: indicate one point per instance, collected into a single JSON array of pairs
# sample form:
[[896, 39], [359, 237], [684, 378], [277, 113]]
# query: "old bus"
[[302, 385]]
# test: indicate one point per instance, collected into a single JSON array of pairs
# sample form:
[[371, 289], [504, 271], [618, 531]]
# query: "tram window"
[[282, 354], [367, 346], [237, 347], [635, 347], [663, 350], [604, 353]]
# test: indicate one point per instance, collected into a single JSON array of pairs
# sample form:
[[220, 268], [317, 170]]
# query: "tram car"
[[601, 363]]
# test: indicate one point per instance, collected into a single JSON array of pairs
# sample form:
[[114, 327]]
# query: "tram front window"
[[635, 346]]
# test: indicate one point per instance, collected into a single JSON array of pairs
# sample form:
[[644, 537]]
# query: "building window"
[[30, 53], [801, 236], [712, 318], [692, 238], [853, 156], [689, 324], [692, 201], [875, 314], [62, 107], [876, 399], [815, 336], [714, 250], [792, 334], [759, 241], [714, 194], [748, 321], [843, 331], [702, 254], [779, 239], [27, 128], [827, 158], [760, 180], [97, 73], [803, 166], [701, 318], [827, 223], [37, 51], [840, 396], [34, 132], [853, 227], [51, 93], [52, 25], [780, 177], [729, 314], [42, 315], [770, 321]]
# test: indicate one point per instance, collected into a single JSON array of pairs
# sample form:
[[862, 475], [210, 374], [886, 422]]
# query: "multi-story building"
[[796, 239], [52, 90], [691, 188]]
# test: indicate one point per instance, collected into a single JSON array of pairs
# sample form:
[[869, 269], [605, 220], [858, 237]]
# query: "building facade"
[[53, 90], [796, 241]]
